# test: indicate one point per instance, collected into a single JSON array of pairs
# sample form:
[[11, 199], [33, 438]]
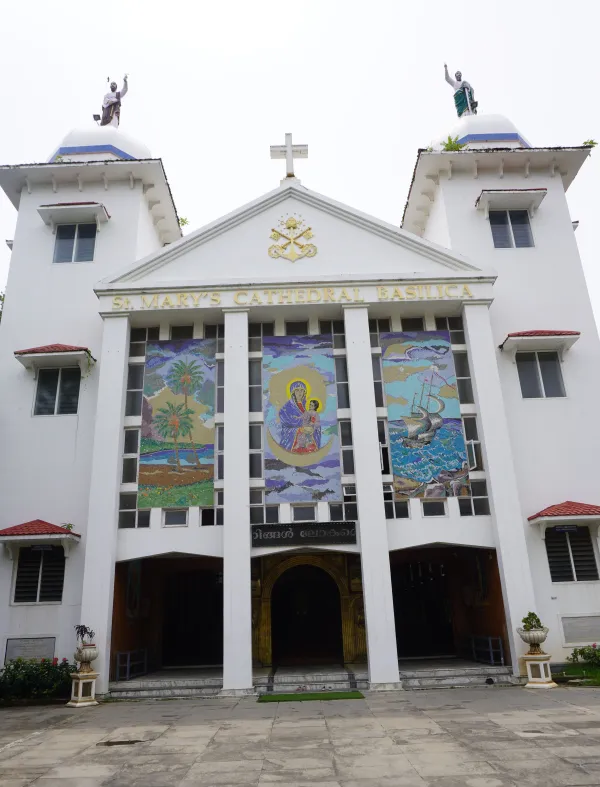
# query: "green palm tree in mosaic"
[[172, 421], [185, 378]]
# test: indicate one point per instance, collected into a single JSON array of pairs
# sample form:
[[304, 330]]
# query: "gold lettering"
[[215, 298], [448, 288], [411, 292], [167, 302], [357, 298], [182, 299], [466, 292], [255, 298], [118, 302], [397, 296], [300, 296], [328, 294], [344, 295], [440, 289], [420, 290], [270, 294], [127, 304], [428, 294], [382, 293], [238, 295], [285, 297], [195, 296], [317, 295], [152, 303]]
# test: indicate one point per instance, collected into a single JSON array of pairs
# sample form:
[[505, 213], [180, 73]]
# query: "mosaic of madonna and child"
[[301, 446], [178, 424]]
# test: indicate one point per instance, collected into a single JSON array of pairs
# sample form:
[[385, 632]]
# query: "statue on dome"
[[464, 98], [111, 106]]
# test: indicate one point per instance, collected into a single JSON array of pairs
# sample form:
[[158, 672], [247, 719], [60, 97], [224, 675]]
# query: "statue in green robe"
[[464, 98]]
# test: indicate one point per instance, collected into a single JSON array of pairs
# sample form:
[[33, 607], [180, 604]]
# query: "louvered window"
[[40, 574], [571, 555]]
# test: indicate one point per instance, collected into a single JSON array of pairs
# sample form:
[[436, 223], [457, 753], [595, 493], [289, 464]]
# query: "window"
[[347, 450], [540, 375], [304, 513], [175, 517], [346, 511], [511, 229], [463, 378], [216, 332], [75, 243], [256, 331], [131, 449], [57, 391], [299, 328], [182, 331], [220, 387], [378, 380], [261, 514], [394, 509], [40, 574], [335, 329], [220, 445], [214, 515], [129, 516], [433, 507], [135, 389], [454, 325], [413, 324], [377, 327], [571, 554], [478, 504], [472, 443], [384, 450], [138, 338], [341, 377], [255, 384], [256, 451]]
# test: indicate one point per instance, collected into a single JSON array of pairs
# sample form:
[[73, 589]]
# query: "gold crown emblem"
[[292, 237]]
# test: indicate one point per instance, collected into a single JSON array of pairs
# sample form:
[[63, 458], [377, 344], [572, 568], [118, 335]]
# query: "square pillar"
[[374, 550], [237, 592], [105, 483], [513, 559]]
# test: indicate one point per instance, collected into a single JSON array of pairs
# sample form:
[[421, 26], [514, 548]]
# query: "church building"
[[298, 441]]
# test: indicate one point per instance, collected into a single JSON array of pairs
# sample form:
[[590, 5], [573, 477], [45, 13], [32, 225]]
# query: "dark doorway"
[[306, 618], [422, 609], [193, 619]]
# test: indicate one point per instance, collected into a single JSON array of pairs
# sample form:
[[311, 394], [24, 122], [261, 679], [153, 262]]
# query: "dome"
[[99, 143], [484, 131]]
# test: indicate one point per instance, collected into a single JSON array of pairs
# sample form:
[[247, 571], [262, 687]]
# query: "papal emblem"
[[292, 237]]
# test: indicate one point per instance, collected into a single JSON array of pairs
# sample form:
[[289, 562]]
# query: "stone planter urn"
[[86, 653], [534, 638]]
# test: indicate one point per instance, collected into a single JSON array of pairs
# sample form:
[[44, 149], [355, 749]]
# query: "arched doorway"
[[306, 618]]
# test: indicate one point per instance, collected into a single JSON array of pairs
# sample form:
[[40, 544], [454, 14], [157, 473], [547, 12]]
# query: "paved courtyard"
[[454, 738]]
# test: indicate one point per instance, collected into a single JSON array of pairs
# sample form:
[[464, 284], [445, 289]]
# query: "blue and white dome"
[[99, 143], [484, 131]]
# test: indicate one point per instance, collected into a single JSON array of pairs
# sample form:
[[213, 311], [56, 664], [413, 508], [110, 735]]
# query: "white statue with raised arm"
[[111, 106], [464, 98]]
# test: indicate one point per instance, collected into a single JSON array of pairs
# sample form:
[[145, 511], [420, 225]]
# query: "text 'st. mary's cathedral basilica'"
[[299, 440]]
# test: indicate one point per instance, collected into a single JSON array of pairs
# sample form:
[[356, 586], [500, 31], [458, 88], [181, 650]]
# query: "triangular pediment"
[[251, 244]]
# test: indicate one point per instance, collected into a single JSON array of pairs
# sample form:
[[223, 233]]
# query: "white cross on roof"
[[289, 152]]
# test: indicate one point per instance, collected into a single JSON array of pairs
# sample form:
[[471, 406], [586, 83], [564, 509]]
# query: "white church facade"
[[298, 436]]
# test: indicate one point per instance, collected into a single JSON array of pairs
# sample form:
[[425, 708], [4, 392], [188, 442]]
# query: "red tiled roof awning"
[[540, 339], [52, 348], [569, 510], [37, 527], [544, 333]]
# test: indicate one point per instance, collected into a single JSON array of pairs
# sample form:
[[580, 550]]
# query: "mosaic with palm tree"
[[178, 424]]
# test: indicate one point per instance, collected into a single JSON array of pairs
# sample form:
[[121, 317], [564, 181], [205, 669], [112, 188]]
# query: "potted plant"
[[86, 650], [533, 633]]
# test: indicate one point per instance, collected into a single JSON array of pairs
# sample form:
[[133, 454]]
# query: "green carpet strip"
[[311, 696]]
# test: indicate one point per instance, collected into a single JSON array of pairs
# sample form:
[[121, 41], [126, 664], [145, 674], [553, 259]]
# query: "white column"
[[375, 558], [237, 601], [101, 533], [513, 561]]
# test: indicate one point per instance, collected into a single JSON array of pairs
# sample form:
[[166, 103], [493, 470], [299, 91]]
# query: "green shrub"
[[589, 654], [531, 622], [31, 679]]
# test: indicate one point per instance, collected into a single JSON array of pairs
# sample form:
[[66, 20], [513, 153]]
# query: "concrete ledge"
[[386, 686], [237, 692]]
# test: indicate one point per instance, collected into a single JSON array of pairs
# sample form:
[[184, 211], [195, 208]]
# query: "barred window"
[[135, 389], [216, 332], [394, 509], [540, 375], [255, 385], [40, 574], [511, 229], [341, 377], [129, 515], [384, 446], [378, 380], [131, 447], [220, 451], [478, 503], [182, 331], [335, 329], [214, 515], [378, 326], [433, 507], [455, 327], [138, 338], [571, 554], [347, 450], [175, 517], [297, 328], [413, 324], [304, 513], [256, 331], [256, 451], [57, 391], [472, 442], [220, 383], [463, 378], [260, 512], [75, 243], [347, 510]]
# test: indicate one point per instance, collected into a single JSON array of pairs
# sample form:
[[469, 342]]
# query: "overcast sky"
[[213, 84]]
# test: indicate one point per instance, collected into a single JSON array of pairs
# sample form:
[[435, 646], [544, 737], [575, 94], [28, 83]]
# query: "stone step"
[[144, 694], [148, 689], [457, 677]]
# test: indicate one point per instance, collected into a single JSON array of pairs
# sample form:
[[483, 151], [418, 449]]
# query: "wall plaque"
[[306, 533], [30, 648]]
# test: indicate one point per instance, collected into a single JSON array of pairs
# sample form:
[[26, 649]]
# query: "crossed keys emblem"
[[291, 247]]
